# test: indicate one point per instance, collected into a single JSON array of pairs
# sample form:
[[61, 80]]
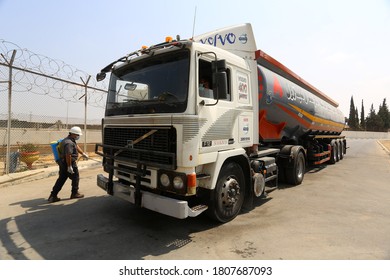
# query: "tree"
[[58, 124], [362, 118], [352, 122], [384, 114], [356, 118], [373, 121]]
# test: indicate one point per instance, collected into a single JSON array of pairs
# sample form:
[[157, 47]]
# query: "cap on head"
[[76, 130]]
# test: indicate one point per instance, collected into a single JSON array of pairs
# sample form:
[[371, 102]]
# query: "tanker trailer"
[[294, 113]]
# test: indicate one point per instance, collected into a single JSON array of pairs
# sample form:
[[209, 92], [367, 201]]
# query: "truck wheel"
[[341, 149], [296, 171], [228, 195], [344, 146], [334, 154]]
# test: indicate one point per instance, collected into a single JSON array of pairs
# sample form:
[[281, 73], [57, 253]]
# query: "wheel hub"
[[231, 192]]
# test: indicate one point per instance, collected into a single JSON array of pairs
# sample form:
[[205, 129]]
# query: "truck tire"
[[229, 193], [334, 154], [341, 149], [296, 170], [344, 147]]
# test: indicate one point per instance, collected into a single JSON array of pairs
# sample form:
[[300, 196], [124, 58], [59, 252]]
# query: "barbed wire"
[[42, 75]]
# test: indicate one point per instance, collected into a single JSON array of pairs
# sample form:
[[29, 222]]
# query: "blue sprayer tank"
[[54, 148]]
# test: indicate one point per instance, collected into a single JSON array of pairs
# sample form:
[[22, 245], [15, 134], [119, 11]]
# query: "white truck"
[[205, 124]]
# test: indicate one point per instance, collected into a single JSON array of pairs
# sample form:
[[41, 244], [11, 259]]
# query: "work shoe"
[[53, 198], [76, 195]]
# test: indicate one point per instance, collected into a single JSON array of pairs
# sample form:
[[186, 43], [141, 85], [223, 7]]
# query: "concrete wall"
[[366, 134], [45, 136]]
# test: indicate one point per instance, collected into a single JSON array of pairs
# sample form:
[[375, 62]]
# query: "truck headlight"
[[178, 183], [172, 181], [164, 180]]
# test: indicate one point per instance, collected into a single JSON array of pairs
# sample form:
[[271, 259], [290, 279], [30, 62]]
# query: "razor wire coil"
[[39, 74]]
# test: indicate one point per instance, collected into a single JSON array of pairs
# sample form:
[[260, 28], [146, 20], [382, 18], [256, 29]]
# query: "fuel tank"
[[290, 109]]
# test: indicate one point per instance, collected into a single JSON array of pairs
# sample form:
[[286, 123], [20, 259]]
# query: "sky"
[[342, 47]]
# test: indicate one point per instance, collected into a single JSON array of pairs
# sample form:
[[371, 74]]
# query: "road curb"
[[383, 146], [32, 175]]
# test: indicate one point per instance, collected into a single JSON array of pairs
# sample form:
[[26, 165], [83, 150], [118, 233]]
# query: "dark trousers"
[[63, 175]]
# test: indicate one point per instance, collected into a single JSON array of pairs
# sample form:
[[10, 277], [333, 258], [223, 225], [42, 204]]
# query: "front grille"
[[157, 149], [127, 173]]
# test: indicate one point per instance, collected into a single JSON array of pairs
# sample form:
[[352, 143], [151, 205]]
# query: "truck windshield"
[[157, 84]]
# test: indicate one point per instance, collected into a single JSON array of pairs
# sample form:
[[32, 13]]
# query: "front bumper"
[[161, 204]]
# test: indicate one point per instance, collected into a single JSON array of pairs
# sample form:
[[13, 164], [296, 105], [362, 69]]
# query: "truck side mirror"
[[220, 85], [100, 76], [219, 78], [218, 65]]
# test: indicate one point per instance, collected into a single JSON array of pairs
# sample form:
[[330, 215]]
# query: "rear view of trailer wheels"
[[338, 150], [228, 196]]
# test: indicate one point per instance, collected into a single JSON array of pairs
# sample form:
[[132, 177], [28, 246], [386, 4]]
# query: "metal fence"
[[40, 99]]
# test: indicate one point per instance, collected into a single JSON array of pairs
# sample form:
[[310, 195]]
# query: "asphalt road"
[[340, 211]]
